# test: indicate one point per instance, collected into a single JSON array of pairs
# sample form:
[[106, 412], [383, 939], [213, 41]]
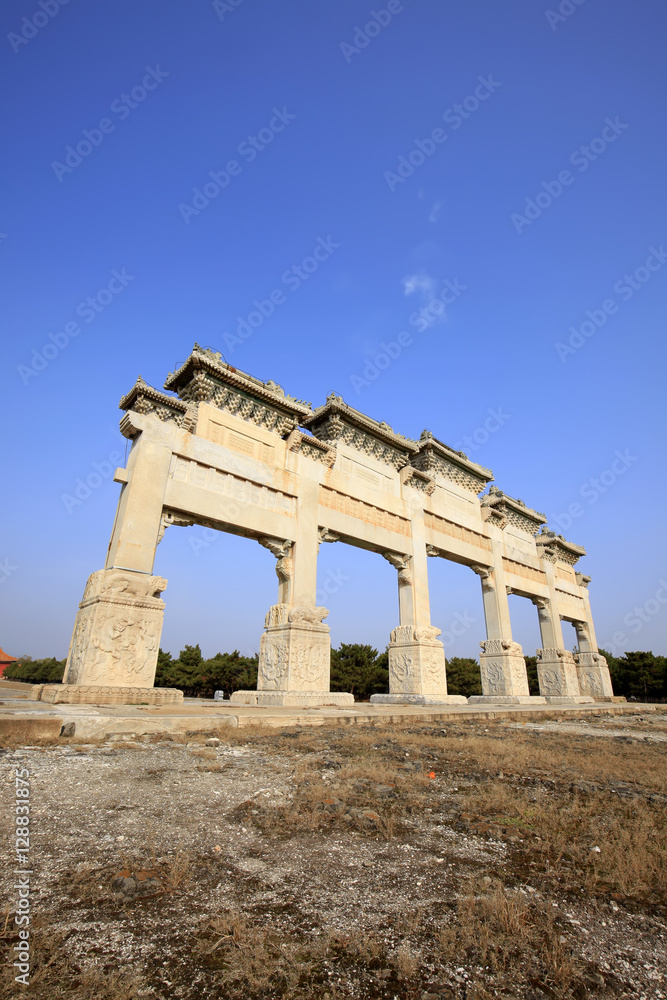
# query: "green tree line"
[[356, 668]]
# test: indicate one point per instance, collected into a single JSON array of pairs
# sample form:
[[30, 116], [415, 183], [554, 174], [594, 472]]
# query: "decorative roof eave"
[[209, 362], [496, 498], [551, 541], [142, 389], [428, 442], [336, 405]]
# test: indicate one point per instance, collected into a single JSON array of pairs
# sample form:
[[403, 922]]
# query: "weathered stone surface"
[[557, 675], [230, 452], [105, 694], [593, 674]]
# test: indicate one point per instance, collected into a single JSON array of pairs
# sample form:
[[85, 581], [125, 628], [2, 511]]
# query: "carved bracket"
[[171, 517], [326, 535], [281, 548], [417, 479], [402, 564], [485, 573]]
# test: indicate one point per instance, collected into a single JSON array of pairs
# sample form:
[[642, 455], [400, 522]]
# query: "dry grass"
[[631, 835], [512, 938], [55, 976], [368, 797]]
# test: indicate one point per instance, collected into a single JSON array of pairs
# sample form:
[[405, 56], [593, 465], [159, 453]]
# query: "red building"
[[5, 660]]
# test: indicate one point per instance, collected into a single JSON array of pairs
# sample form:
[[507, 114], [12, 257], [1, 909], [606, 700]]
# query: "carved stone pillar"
[[295, 649], [556, 669], [294, 661], [501, 662], [113, 652], [593, 675], [417, 674]]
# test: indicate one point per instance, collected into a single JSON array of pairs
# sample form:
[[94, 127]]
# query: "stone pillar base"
[[418, 699], [557, 674], [575, 699], [593, 675], [101, 694], [500, 699], [294, 660], [117, 632], [295, 699], [416, 664], [503, 671]]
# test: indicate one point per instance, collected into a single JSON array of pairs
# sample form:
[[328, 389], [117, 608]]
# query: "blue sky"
[[536, 208]]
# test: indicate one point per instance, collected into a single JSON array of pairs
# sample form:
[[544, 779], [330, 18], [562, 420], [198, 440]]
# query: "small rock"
[[213, 742], [486, 880], [333, 804], [596, 849], [368, 864]]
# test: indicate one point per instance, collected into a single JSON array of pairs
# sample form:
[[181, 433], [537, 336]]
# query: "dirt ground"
[[420, 861]]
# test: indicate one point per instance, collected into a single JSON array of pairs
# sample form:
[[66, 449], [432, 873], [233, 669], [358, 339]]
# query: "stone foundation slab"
[[101, 694], [295, 699], [418, 699], [575, 699], [495, 699]]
